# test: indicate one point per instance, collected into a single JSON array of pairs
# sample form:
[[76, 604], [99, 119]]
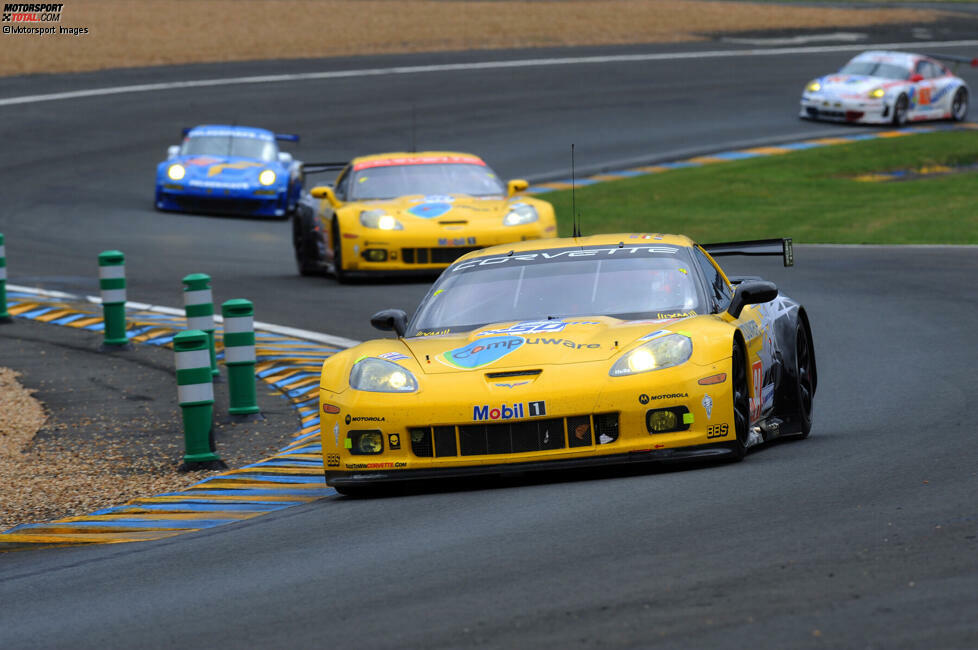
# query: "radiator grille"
[[444, 255]]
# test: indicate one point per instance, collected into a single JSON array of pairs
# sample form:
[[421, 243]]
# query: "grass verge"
[[809, 195]]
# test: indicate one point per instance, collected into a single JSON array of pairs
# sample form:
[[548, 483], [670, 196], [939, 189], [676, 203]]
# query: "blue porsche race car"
[[230, 170]]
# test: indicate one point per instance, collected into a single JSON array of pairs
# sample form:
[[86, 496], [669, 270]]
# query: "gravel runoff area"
[[134, 33], [109, 430]]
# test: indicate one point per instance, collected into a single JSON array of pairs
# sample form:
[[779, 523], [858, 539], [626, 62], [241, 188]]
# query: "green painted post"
[[195, 392], [198, 305], [4, 314], [239, 356], [112, 282]]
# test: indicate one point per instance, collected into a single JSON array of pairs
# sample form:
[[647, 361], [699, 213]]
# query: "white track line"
[[327, 339], [484, 65]]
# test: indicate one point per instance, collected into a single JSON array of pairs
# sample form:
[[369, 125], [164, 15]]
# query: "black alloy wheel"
[[959, 105], [900, 110], [338, 253], [804, 379], [741, 401]]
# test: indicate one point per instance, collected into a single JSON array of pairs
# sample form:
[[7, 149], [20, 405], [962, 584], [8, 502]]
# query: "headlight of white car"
[[877, 93], [519, 214], [813, 86], [663, 352], [379, 376], [176, 172], [267, 177], [379, 219]]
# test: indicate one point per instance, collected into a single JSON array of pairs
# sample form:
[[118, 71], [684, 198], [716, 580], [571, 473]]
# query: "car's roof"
[[415, 158], [904, 59], [627, 239], [225, 130]]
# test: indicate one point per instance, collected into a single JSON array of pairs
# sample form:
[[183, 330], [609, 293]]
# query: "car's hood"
[[843, 85], [460, 209], [531, 344], [223, 168]]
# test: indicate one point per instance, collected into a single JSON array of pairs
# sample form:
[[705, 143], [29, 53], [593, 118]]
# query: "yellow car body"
[[403, 212], [523, 394]]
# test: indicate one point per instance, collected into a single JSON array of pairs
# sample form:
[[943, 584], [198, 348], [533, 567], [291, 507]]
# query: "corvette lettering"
[[505, 412], [585, 252]]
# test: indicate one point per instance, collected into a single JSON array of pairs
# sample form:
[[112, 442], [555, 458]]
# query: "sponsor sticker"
[[514, 411], [482, 352], [708, 406], [392, 356]]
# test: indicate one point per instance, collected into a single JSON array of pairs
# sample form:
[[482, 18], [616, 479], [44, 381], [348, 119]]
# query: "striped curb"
[[742, 154], [293, 476]]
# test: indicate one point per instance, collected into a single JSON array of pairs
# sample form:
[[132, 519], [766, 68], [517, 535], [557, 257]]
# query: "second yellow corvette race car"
[[412, 212], [568, 352]]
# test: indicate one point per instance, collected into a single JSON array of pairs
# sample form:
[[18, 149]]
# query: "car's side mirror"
[[172, 151], [390, 320], [915, 77], [516, 186], [751, 292], [285, 157], [324, 192]]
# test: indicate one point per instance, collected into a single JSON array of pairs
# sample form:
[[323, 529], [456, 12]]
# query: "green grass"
[[808, 195]]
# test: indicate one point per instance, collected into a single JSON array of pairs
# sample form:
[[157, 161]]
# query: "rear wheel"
[[959, 105], [900, 110], [741, 401], [804, 380], [304, 243]]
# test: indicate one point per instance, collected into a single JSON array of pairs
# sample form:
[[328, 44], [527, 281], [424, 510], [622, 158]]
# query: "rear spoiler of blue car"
[[781, 247], [284, 137], [972, 61]]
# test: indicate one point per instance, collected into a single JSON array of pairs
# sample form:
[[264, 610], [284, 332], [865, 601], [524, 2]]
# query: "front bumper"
[[368, 250], [834, 109], [258, 202], [463, 425]]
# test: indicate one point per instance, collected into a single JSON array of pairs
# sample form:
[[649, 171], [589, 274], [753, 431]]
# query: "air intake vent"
[[513, 373]]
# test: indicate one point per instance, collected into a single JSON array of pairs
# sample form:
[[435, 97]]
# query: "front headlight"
[[813, 87], [519, 214], [267, 177], [379, 376], [379, 219], [663, 352], [176, 172], [877, 93]]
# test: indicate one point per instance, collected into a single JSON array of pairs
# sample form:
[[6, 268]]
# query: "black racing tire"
[[805, 381], [306, 251], [900, 109], [959, 105], [741, 401], [338, 272]]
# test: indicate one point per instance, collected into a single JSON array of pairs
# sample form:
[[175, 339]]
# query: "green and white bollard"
[[112, 282], [198, 305], [195, 392], [239, 357], [4, 314]]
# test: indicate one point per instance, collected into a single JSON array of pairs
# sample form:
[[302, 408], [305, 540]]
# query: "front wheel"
[[338, 254], [741, 401], [959, 105], [900, 110], [304, 243]]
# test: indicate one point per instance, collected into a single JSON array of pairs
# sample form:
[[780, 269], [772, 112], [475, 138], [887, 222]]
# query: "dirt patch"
[[131, 33]]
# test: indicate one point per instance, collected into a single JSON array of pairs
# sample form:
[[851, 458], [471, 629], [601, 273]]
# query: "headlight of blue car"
[[663, 352], [379, 376]]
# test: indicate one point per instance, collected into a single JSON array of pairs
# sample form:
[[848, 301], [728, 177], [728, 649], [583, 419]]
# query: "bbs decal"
[[717, 431]]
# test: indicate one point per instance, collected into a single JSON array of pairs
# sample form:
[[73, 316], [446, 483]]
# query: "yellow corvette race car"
[[412, 212], [567, 352]]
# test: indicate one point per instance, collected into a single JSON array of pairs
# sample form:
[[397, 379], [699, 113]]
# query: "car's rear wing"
[[287, 137], [781, 247], [322, 167], [972, 61]]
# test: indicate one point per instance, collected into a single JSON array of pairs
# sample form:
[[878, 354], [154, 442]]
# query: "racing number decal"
[[757, 377], [923, 98]]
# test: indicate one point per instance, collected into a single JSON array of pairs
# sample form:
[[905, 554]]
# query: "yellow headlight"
[[814, 87], [267, 177], [877, 93], [641, 360], [176, 172], [387, 222], [663, 421], [370, 443], [398, 380]]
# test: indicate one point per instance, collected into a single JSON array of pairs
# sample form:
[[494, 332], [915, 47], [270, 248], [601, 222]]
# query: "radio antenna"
[[575, 217]]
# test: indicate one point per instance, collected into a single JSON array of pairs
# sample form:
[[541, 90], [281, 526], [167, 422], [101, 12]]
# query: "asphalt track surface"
[[863, 536]]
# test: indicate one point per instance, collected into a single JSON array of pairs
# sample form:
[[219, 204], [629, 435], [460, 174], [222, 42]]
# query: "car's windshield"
[[876, 69], [386, 181], [631, 282], [220, 145]]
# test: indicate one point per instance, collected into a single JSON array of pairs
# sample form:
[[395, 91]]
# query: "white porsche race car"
[[888, 87]]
